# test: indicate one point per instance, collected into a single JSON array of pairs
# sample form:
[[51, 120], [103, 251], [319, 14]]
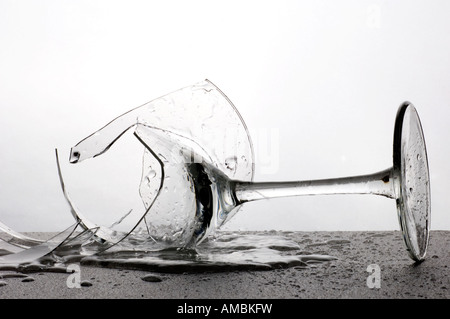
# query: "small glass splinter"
[[204, 155]]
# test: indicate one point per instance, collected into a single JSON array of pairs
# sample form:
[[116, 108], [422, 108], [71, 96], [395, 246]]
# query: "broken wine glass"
[[198, 168]]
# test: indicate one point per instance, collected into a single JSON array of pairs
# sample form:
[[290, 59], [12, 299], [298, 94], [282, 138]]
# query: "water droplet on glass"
[[151, 174], [231, 162]]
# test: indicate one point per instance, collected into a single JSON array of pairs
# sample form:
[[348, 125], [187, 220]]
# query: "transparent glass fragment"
[[7, 248], [103, 233], [24, 239], [34, 253], [201, 113]]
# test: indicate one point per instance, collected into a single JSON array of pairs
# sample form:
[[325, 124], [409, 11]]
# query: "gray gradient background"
[[317, 82]]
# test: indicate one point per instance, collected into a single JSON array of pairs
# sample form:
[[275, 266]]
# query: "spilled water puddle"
[[226, 251]]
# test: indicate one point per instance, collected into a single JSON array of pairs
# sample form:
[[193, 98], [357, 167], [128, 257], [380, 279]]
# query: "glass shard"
[[34, 253], [24, 239]]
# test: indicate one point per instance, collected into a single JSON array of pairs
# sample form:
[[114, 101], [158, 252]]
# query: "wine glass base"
[[412, 181]]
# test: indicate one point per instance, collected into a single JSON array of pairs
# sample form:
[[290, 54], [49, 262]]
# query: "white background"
[[322, 79]]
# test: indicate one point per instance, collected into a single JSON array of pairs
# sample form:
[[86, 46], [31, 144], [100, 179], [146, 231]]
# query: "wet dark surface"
[[344, 277]]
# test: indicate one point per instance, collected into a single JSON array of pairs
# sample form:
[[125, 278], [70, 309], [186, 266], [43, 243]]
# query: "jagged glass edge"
[[250, 143]]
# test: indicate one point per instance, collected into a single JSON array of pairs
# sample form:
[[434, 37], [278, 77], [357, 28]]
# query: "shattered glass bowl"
[[182, 132]]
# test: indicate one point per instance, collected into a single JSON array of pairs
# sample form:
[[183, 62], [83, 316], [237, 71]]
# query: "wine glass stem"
[[381, 183]]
